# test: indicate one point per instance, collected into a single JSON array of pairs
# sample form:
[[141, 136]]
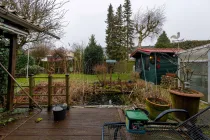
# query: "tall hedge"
[[190, 44]]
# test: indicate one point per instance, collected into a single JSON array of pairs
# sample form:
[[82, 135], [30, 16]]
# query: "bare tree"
[[149, 23], [78, 49], [48, 14], [60, 57], [40, 51]]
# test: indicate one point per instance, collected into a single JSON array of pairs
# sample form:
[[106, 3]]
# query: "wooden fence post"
[[31, 86], [67, 91], [49, 93]]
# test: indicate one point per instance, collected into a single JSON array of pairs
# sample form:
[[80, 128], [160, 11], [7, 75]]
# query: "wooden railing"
[[50, 87]]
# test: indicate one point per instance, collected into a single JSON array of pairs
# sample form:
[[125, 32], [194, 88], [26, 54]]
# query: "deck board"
[[80, 124]]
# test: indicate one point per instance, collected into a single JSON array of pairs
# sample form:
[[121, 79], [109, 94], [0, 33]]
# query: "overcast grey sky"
[[190, 17]]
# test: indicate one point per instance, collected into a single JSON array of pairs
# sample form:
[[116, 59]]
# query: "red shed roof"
[[155, 50]]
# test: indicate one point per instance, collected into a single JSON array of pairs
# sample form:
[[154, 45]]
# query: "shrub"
[[93, 55], [100, 69], [135, 76], [143, 90], [167, 82], [124, 66], [22, 61], [34, 69], [190, 44], [101, 72]]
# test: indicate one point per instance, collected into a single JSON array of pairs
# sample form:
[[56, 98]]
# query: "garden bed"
[[81, 93]]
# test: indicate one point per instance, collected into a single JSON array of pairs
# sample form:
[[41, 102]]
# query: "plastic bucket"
[[59, 113]]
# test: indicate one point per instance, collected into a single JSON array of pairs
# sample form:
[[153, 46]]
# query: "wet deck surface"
[[80, 124]]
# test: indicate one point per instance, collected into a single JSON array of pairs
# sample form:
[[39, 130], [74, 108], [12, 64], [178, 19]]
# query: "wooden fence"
[[50, 87]]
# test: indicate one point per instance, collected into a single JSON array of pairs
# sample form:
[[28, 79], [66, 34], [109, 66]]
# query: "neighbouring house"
[[152, 63], [198, 60], [57, 64]]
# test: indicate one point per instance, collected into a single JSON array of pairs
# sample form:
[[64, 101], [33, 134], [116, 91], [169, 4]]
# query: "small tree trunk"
[[183, 86], [39, 62], [139, 45]]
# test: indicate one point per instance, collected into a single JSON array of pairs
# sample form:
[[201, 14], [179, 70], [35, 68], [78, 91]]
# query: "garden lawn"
[[81, 77]]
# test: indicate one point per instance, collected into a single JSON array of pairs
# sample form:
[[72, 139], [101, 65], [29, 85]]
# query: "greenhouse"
[[194, 68]]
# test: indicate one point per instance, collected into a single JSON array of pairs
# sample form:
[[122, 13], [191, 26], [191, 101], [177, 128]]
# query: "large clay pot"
[[187, 101], [155, 109]]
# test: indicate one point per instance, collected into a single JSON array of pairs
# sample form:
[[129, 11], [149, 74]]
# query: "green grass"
[[81, 77]]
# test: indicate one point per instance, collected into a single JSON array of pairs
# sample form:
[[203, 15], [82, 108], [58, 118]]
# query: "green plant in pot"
[[184, 97], [156, 104]]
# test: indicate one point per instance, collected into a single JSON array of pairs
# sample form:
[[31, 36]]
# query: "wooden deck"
[[80, 124]]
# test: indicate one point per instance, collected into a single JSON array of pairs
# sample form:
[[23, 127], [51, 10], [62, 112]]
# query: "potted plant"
[[183, 97], [156, 104]]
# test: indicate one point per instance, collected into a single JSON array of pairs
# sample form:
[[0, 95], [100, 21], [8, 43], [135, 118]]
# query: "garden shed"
[[197, 60], [152, 63], [12, 26]]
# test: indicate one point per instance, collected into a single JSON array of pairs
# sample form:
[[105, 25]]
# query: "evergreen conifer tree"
[[129, 29], [109, 32], [93, 55], [163, 41], [119, 39], [115, 34]]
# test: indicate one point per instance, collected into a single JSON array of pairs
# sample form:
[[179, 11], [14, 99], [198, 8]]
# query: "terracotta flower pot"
[[187, 101], [155, 109]]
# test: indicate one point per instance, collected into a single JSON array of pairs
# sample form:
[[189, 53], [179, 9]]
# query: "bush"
[[101, 72], [100, 69], [22, 61], [93, 55], [167, 82], [124, 66], [188, 44], [35, 69]]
